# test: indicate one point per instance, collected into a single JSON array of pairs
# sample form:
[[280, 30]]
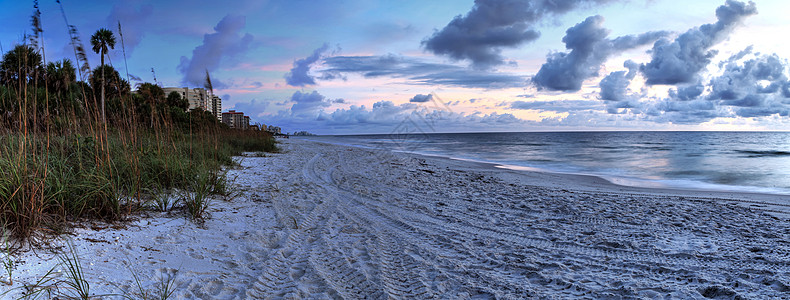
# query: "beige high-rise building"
[[196, 97], [199, 97], [216, 106]]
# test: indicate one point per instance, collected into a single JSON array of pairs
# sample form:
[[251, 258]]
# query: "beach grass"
[[68, 155], [75, 275], [55, 179], [62, 159]]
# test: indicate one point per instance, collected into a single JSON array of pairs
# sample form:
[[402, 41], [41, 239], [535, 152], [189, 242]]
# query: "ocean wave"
[[758, 153]]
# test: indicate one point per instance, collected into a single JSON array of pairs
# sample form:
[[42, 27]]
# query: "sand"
[[322, 221]]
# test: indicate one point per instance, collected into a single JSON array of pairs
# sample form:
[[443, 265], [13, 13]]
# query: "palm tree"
[[114, 85], [101, 40], [154, 95], [22, 65], [60, 75]]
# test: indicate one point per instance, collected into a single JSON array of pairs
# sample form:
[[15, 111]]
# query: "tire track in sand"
[[286, 266], [428, 225]]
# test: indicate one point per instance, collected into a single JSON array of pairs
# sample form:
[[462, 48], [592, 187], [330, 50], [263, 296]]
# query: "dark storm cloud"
[[566, 71], [417, 72], [680, 60], [226, 42], [420, 98], [298, 76], [491, 25]]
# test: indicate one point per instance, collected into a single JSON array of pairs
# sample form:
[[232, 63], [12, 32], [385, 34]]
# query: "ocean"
[[724, 161]]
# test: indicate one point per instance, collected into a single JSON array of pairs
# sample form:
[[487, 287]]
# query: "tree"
[[101, 41], [60, 76], [114, 85], [21, 65], [153, 95], [174, 99]]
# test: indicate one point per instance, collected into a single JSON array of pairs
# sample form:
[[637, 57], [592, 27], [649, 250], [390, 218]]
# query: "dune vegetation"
[[81, 143]]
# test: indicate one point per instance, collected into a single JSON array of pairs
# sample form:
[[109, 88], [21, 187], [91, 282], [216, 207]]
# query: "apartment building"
[[274, 129], [199, 98], [216, 106], [236, 119]]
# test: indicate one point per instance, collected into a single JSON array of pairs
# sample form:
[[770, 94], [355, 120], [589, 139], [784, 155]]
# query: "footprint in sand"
[[214, 287], [194, 254]]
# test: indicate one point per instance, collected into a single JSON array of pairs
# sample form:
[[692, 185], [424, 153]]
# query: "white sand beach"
[[322, 221]]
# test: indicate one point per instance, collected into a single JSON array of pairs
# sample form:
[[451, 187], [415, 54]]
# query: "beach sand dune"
[[325, 221]]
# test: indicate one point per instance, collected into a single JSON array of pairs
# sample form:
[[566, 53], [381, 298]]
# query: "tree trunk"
[[103, 116]]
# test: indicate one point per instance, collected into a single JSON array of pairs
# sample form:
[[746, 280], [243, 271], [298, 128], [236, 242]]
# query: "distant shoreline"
[[775, 203], [745, 162]]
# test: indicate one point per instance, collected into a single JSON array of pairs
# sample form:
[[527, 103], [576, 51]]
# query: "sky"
[[362, 66]]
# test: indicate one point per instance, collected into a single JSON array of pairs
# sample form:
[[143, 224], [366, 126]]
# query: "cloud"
[[754, 88], [687, 92], [491, 25], [308, 104], [254, 108], [557, 105], [471, 79], [681, 112], [224, 43], [387, 117], [382, 112], [745, 88], [614, 87], [680, 60], [133, 21], [420, 98], [298, 76], [417, 71], [566, 71], [749, 86], [384, 65]]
